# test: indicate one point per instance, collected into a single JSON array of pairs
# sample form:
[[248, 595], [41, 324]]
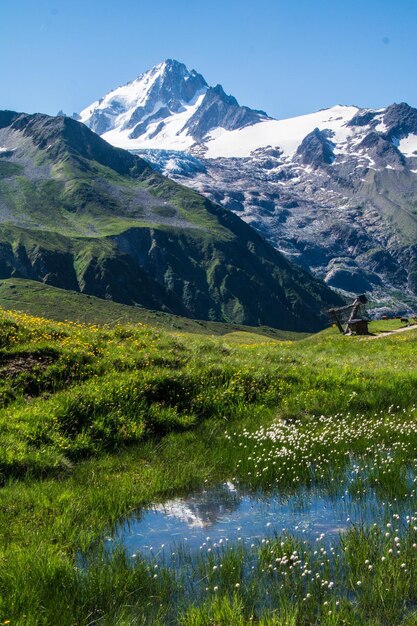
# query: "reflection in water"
[[203, 509], [225, 513]]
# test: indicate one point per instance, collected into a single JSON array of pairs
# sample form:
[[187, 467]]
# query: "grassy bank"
[[42, 300], [96, 422]]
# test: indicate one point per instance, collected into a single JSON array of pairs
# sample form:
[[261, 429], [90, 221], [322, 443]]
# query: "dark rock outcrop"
[[316, 149], [220, 110]]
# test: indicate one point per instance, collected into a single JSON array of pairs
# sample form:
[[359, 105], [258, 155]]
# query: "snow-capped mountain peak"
[[167, 106]]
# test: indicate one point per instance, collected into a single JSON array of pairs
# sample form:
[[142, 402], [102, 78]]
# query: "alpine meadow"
[[208, 314]]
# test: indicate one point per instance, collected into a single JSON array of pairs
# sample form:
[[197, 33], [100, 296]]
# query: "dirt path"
[[387, 333]]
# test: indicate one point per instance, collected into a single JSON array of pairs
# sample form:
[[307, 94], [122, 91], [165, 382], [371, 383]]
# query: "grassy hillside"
[[70, 390], [79, 214], [64, 305], [96, 422]]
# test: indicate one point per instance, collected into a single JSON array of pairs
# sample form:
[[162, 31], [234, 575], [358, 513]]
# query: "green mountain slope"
[[78, 214], [41, 300]]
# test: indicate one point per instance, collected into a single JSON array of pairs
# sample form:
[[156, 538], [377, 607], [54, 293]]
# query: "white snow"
[[119, 105], [88, 111], [284, 134], [127, 96], [381, 126], [169, 138], [408, 145]]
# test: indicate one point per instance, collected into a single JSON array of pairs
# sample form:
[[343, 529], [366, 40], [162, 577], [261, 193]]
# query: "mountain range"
[[80, 214], [334, 191]]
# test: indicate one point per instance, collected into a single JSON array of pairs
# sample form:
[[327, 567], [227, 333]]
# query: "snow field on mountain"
[[408, 146], [285, 134]]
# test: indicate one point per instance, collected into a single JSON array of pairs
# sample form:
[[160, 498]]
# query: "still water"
[[225, 514]]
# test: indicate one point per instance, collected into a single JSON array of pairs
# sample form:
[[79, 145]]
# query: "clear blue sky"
[[287, 58]]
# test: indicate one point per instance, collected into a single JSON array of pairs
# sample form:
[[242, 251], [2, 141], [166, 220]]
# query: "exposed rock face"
[[359, 207], [400, 120], [383, 152], [316, 149], [219, 110]]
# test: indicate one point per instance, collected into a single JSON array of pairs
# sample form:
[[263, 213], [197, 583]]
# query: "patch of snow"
[[380, 127], [408, 145], [119, 105], [127, 96], [88, 111]]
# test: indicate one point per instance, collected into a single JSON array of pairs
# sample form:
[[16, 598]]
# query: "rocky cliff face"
[[218, 110]]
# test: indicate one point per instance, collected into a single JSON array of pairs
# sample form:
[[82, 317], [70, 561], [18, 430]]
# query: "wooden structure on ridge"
[[353, 316]]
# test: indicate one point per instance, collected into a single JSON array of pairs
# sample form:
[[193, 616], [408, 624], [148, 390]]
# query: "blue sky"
[[287, 58]]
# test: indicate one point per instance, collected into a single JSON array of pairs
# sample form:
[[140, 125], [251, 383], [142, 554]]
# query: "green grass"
[[44, 300], [93, 389], [98, 421], [386, 326], [85, 200], [8, 169]]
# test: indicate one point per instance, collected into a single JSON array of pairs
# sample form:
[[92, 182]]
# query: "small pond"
[[225, 514]]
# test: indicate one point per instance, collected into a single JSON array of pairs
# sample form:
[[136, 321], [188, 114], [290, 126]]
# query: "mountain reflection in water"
[[226, 513]]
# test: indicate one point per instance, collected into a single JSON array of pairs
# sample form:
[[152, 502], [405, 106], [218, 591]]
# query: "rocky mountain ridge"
[[335, 191]]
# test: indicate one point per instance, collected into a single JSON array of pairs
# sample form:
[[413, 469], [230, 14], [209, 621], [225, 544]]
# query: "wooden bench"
[[358, 327]]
